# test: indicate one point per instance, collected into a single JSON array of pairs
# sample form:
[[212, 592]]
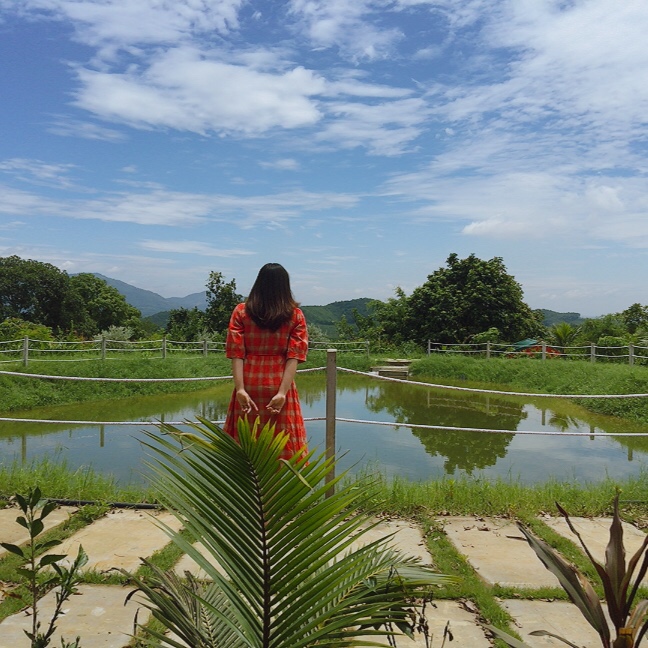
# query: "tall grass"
[[555, 376], [395, 496], [501, 497], [58, 481], [17, 393]]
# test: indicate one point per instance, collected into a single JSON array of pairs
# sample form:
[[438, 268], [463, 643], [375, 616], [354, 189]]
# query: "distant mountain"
[[156, 308], [552, 317], [326, 317], [150, 303]]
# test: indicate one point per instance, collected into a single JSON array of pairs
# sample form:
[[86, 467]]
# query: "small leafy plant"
[[630, 621], [37, 574]]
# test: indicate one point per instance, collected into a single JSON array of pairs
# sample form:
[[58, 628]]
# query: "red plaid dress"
[[265, 353]]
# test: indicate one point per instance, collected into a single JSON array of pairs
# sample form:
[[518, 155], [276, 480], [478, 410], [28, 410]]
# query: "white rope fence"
[[375, 376], [491, 391]]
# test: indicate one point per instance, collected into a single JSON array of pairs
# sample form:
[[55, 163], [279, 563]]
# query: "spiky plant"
[[288, 576], [629, 620]]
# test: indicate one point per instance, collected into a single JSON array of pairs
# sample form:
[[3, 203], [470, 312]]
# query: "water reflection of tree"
[[466, 451]]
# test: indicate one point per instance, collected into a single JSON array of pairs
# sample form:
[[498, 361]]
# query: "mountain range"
[[156, 308], [149, 303]]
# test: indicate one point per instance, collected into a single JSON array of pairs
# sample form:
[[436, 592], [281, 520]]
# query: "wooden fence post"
[[331, 395], [593, 352], [205, 348], [103, 347], [544, 350], [164, 347], [488, 349], [631, 354], [25, 351]]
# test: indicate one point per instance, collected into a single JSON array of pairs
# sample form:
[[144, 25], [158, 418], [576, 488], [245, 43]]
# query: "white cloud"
[[184, 90], [346, 25], [387, 128], [178, 209], [85, 130], [284, 164], [38, 172], [193, 247], [120, 23]]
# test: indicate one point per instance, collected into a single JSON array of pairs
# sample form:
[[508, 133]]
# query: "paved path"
[[494, 547]]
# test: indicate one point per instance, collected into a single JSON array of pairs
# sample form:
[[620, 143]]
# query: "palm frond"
[[290, 580]]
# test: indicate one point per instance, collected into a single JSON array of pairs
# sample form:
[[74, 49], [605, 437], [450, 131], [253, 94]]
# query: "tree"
[[37, 292], [103, 306], [635, 317], [594, 328], [221, 300], [564, 334], [393, 317], [470, 296], [185, 325]]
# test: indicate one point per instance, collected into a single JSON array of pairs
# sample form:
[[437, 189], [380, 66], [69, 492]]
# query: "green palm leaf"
[[291, 580]]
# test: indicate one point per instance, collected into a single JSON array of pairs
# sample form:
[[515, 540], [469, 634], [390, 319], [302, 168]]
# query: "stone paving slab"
[[98, 615], [498, 552], [119, 539], [14, 533], [462, 624], [560, 617], [494, 547], [188, 564], [596, 534], [407, 537]]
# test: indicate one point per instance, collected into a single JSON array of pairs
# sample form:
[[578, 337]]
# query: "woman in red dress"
[[266, 339]]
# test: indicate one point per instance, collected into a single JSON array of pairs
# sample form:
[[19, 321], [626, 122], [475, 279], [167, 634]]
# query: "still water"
[[415, 453]]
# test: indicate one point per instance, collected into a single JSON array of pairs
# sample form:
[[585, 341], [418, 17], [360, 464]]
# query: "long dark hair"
[[270, 302]]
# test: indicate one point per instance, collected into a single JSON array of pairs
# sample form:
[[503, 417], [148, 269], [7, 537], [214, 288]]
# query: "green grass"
[[58, 481], [556, 376], [499, 497]]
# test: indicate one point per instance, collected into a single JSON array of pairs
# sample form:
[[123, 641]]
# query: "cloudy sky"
[[358, 142]]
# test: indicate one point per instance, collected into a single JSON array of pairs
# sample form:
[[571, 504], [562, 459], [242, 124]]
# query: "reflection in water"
[[414, 452], [465, 451]]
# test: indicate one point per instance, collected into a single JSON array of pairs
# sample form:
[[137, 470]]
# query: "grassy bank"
[[554, 376], [397, 496], [18, 393]]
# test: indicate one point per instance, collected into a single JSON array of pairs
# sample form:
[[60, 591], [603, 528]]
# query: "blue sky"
[[357, 142]]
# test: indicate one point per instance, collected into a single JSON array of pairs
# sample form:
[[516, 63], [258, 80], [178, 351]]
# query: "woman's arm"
[[279, 399], [243, 398]]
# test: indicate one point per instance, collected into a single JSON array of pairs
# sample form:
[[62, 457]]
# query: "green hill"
[[326, 317], [552, 317]]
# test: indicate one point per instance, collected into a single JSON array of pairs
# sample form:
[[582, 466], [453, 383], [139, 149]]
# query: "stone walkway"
[[494, 547]]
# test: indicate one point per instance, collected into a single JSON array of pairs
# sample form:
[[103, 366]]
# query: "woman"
[[266, 339]]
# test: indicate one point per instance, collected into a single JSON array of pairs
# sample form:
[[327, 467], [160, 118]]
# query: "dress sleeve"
[[235, 342], [298, 340]]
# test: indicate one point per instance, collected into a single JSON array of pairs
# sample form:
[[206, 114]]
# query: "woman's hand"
[[276, 403], [245, 402]]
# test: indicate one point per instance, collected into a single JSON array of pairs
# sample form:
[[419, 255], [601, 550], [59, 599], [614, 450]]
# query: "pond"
[[411, 452]]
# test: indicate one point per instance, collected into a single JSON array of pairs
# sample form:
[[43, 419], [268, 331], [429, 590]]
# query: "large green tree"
[[185, 325], [466, 297], [36, 292], [103, 305], [635, 318], [221, 300]]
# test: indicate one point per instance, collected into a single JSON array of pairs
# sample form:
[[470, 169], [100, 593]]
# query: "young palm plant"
[[288, 577], [629, 620]]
